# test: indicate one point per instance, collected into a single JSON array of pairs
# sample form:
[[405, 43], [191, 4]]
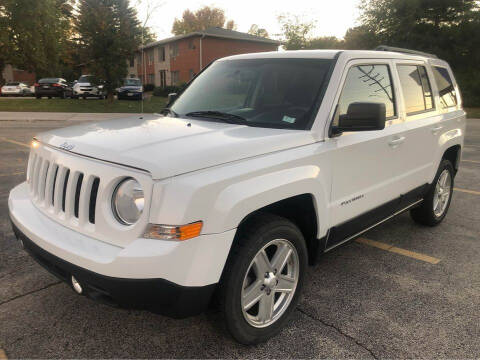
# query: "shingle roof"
[[219, 33]]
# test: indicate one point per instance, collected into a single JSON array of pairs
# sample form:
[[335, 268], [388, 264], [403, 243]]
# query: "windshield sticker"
[[288, 119]]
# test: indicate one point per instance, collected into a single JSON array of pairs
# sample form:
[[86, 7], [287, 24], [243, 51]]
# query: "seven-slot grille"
[[70, 194]]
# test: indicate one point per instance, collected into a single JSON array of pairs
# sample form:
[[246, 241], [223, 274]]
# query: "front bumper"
[[172, 278]]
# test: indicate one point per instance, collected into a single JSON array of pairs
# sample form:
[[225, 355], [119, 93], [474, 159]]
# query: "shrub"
[[159, 91], [148, 87]]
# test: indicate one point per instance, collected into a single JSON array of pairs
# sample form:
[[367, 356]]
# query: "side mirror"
[[171, 98], [362, 117]]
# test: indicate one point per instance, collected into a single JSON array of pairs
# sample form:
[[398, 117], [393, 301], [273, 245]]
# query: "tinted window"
[[446, 90], [265, 92], [48, 81], [86, 79], [367, 83], [417, 93]]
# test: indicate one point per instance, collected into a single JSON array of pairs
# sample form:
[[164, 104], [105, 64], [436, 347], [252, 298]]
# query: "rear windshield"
[[12, 84], [48, 81], [132, 82], [276, 93], [86, 79]]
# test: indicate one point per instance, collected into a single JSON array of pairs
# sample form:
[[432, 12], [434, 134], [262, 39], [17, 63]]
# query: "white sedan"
[[16, 89]]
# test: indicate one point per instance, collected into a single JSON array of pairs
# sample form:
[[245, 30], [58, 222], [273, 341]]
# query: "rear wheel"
[[437, 201], [263, 278]]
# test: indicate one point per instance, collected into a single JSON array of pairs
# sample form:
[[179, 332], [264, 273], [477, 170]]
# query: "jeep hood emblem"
[[66, 146]]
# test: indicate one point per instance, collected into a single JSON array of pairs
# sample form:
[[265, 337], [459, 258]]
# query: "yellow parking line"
[[15, 142], [472, 161], [397, 250], [467, 191], [3, 356]]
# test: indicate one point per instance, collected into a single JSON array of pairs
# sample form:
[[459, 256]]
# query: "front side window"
[[446, 89], [367, 83], [279, 93], [417, 93]]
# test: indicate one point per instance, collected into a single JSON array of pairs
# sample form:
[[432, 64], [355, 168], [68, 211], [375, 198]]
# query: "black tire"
[[424, 214], [250, 239]]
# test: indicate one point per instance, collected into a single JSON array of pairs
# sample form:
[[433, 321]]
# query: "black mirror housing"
[[362, 116]]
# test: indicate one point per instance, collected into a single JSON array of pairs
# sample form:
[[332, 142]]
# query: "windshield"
[[12, 84], [85, 79], [280, 93], [48, 81], [132, 82]]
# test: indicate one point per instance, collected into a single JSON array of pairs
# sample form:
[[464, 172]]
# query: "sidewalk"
[[59, 116]]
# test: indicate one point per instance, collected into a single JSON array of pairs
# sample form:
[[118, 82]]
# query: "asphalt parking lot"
[[403, 291]]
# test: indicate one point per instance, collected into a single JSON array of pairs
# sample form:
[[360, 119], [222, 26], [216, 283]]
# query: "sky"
[[333, 17]]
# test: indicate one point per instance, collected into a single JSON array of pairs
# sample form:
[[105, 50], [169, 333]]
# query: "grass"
[[150, 105], [473, 113]]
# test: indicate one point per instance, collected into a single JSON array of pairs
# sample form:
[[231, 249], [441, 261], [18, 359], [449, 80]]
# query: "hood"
[[167, 146]]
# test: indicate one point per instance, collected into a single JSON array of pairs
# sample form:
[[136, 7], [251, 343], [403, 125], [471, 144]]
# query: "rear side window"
[[446, 90], [367, 83], [416, 89]]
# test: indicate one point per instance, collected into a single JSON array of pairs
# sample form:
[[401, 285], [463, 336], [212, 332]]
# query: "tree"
[[257, 31], [38, 33], [447, 28], [109, 33], [295, 31], [360, 38], [200, 20]]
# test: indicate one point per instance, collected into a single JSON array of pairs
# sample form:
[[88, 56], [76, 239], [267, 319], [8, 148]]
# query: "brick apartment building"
[[178, 59], [12, 74]]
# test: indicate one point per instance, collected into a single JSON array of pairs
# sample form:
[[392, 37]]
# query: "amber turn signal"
[[169, 232]]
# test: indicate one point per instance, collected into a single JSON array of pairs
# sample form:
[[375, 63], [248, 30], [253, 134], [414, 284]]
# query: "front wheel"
[[263, 278], [437, 200]]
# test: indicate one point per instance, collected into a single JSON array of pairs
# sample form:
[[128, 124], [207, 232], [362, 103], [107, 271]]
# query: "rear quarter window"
[[446, 89]]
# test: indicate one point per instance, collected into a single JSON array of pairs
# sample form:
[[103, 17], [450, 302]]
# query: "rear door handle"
[[436, 129], [397, 141]]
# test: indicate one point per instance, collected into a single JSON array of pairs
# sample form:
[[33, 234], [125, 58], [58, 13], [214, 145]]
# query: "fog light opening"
[[76, 285]]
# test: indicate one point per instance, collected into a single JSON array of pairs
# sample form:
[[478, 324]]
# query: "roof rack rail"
[[405, 51]]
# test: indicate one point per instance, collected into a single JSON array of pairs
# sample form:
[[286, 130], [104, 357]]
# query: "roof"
[[218, 33], [330, 54]]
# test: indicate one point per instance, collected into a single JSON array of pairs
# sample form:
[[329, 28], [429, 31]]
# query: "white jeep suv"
[[263, 162]]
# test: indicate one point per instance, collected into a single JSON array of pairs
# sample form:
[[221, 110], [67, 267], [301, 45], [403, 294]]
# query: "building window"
[[139, 59], [151, 78], [132, 61], [175, 77], [163, 78], [150, 58], [192, 74], [174, 49], [191, 45], [161, 53]]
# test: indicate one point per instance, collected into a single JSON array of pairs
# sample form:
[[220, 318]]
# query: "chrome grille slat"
[[36, 172], [42, 179], [70, 194]]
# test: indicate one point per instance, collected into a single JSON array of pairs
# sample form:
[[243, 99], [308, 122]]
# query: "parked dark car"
[[132, 89], [53, 87]]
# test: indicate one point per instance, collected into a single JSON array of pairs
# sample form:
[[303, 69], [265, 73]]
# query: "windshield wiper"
[[230, 118]]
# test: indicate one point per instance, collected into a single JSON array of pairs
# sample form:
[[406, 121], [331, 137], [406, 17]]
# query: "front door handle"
[[436, 129], [395, 142]]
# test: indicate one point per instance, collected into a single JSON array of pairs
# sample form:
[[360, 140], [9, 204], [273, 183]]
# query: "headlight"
[[128, 201]]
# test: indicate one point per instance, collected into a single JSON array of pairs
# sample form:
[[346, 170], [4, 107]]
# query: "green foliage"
[[148, 87], [447, 28], [295, 31], [257, 31], [159, 91], [109, 33], [200, 20], [37, 33]]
